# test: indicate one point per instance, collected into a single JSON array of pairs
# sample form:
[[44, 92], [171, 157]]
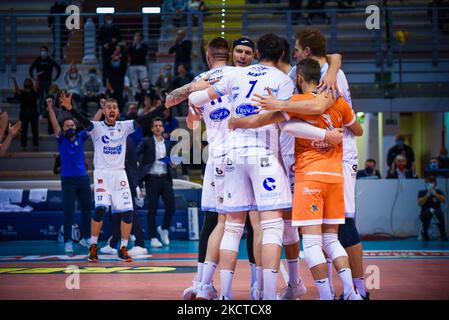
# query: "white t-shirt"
[[349, 144], [159, 167], [110, 144], [241, 85], [216, 113]]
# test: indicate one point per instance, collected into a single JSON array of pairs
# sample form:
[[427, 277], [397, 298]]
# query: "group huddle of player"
[[281, 151]]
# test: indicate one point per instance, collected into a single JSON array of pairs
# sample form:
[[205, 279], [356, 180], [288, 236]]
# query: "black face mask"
[[369, 170], [70, 133], [132, 115]]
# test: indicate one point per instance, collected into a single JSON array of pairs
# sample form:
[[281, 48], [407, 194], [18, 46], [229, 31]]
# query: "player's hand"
[[195, 110], [14, 129], [49, 103], [334, 136], [232, 123], [102, 103], [66, 100], [4, 119], [329, 85], [202, 84], [268, 102]]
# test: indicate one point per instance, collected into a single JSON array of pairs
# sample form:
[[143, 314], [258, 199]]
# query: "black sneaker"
[[93, 256], [124, 256]]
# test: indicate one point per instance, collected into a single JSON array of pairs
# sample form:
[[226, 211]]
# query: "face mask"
[[401, 166], [70, 133], [92, 75], [44, 54], [115, 63], [429, 185], [145, 85], [132, 115], [369, 170], [433, 166], [400, 143], [73, 75]]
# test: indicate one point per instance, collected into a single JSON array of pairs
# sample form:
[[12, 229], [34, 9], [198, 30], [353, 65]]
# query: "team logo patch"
[[269, 184], [265, 162], [313, 208], [245, 110], [219, 114], [105, 139], [123, 183]]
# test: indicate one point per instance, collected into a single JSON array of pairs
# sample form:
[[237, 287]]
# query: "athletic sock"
[[226, 283], [259, 277], [208, 272], [330, 267], [270, 278], [346, 279], [124, 243], [253, 273], [293, 271], [324, 289], [199, 272], [359, 283], [93, 240]]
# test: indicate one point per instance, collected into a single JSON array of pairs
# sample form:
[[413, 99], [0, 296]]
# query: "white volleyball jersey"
[[110, 143], [241, 85], [216, 113], [349, 143]]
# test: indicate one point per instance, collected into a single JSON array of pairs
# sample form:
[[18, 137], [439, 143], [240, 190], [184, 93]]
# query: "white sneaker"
[[84, 242], [137, 251], [191, 292], [293, 292], [164, 235], [353, 296], [155, 243], [256, 293], [108, 250], [207, 292], [69, 247]]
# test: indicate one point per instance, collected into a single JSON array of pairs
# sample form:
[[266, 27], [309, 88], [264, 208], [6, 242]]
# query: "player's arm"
[[356, 128], [181, 94], [52, 116], [146, 119], [12, 132], [66, 102], [193, 118], [99, 113], [350, 121], [202, 97], [329, 81], [256, 120], [301, 129]]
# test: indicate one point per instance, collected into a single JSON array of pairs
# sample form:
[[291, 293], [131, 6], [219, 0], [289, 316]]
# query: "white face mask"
[[145, 85]]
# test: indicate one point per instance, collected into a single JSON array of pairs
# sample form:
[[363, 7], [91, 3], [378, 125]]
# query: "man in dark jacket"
[[154, 152], [403, 149], [44, 65], [182, 50], [108, 38]]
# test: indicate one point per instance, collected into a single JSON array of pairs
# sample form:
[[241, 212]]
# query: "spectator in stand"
[[184, 77], [165, 78], [170, 123], [28, 113], [74, 81], [399, 169], [58, 8], [182, 50], [108, 38], [44, 66], [295, 5], [401, 149], [177, 9], [430, 200], [443, 159], [91, 90], [146, 88], [370, 171], [12, 130], [115, 77], [75, 182], [317, 5], [132, 112], [195, 7], [138, 52]]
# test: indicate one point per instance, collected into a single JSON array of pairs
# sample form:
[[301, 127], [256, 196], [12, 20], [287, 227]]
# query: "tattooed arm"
[[181, 94]]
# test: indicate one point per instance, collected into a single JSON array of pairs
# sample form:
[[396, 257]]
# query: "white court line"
[[284, 272]]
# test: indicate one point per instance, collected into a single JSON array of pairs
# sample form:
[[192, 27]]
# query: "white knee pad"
[[291, 235], [332, 246], [231, 237], [313, 253], [272, 231]]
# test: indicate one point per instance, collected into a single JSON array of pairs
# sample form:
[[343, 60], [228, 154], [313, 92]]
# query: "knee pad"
[[332, 246], [99, 212], [348, 234], [272, 231], [127, 217], [231, 237], [291, 234], [313, 252]]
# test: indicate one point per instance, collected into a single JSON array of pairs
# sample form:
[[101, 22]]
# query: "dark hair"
[[314, 39], [218, 48], [286, 57], [44, 47], [92, 70], [67, 119], [431, 179], [270, 47], [156, 119], [371, 160], [309, 69]]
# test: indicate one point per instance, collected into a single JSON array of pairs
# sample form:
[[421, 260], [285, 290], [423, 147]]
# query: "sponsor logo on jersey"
[[269, 184], [105, 139], [320, 145], [245, 110], [123, 183], [310, 191], [313, 208], [219, 172], [112, 150], [219, 114]]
